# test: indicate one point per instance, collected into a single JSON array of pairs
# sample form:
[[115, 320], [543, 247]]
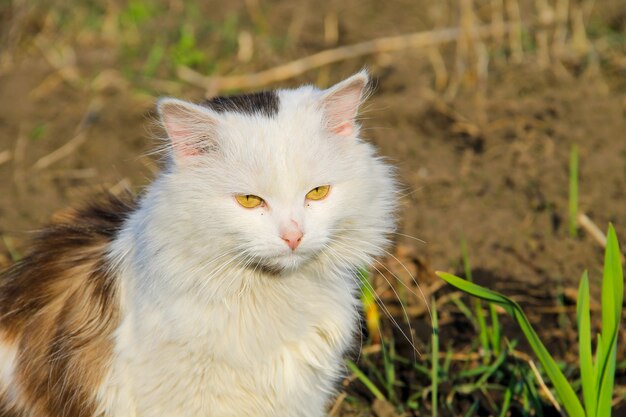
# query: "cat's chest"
[[246, 326], [206, 360]]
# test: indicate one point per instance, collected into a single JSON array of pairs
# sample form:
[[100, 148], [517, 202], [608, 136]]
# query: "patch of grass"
[[137, 13], [148, 42], [490, 336], [37, 131], [491, 376], [155, 57], [597, 376], [445, 382], [598, 28], [365, 380], [573, 192], [186, 51], [229, 31]]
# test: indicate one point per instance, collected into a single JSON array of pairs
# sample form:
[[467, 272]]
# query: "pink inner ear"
[[341, 105], [188, 151], [180, 139], [344, 129], [189, 127]]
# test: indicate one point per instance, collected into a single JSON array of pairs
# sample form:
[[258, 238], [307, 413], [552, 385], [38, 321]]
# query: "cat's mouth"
[[265, 268], [279, 266]]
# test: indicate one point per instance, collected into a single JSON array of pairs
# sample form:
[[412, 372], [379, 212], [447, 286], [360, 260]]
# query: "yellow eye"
[[249, 201], [318, 193]]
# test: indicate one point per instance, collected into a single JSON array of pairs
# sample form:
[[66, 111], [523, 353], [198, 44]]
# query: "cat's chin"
[[280, 265]]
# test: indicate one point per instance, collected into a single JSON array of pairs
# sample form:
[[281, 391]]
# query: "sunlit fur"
[[219, 317]]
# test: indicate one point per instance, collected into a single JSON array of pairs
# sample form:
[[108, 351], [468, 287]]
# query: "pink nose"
[[292, 238]]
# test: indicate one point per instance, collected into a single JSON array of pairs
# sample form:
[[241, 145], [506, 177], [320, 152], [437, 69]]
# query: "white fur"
[[8, 360], [204, 331]]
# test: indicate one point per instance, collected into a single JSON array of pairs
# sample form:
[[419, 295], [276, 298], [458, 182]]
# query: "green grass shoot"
[[597, 376], [573, 192], [365, 380], [489, 336], [389, 368], [435, 359]]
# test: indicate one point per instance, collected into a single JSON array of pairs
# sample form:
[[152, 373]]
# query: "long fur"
[[59, 307], [188, 304]]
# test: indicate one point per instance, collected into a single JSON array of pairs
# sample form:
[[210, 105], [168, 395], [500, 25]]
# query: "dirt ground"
[[488, 164]]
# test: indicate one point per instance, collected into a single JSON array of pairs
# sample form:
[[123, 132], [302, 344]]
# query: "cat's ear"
[[191, 128], [341, 103]]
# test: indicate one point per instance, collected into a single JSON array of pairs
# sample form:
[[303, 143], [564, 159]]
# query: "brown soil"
[[488, 165]]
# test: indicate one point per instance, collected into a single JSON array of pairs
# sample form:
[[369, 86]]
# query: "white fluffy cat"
[[228, 290]]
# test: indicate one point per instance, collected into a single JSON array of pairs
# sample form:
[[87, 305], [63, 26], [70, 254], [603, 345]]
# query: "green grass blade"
[[495, 333], [584, 346], [474, 371], [475, 290], [612, 299], [492, 368], [596, 366], [564, 390], [390, 370], [421, 369], [478, 307], [506, 402], [612, 288], [447, 361], [472, 410], [616, 270], [531, 394], [526, 400], [464, 309], [435, 358], [365, 380], [375, 373], [155, 57], [605, 396], [573, 192]]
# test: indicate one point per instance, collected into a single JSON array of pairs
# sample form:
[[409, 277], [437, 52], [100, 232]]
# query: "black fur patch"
[[263, 102]]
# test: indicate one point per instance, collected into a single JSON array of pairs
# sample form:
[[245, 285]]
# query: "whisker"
[[355, 308], [406, 316], [381, 230], [218, 270], [402, 265], [411, 237], [381, 303], [410, 193], [357, 313], [241, 259]]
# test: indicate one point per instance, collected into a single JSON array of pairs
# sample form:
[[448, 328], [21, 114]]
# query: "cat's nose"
[[292, 238]]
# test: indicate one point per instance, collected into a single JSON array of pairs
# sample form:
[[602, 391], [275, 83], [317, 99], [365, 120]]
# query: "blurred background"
[[480, 104]]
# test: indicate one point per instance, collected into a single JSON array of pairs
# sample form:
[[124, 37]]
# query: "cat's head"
[[277, 180]]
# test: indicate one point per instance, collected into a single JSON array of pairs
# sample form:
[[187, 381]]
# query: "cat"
[[228, 288]]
